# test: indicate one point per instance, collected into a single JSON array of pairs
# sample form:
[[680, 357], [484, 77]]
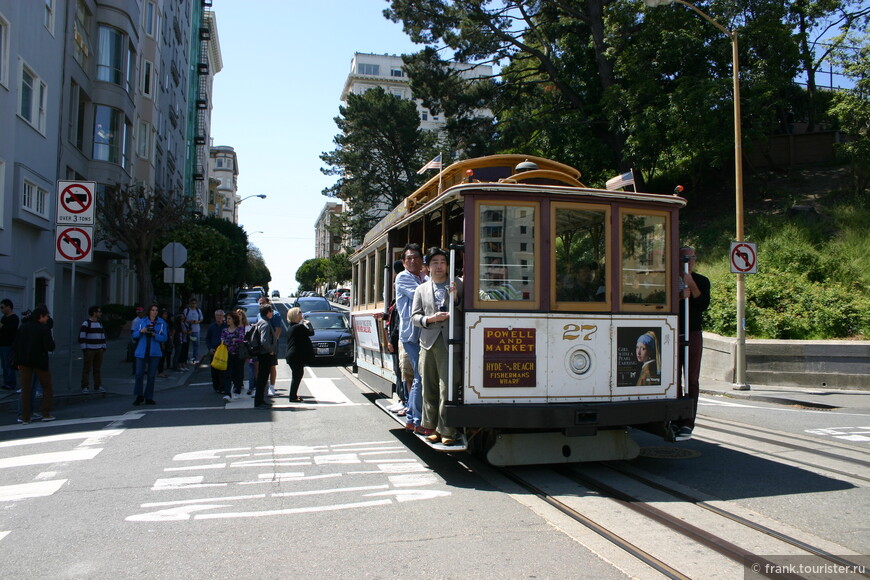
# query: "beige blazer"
[[424, 306]]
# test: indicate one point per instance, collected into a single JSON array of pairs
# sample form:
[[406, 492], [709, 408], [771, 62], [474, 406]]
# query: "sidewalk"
[[118, 378], [118, 381], [813, 398]]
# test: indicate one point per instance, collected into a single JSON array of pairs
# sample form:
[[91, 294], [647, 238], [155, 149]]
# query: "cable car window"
[[580, 245], [644, 240], [506, 253]]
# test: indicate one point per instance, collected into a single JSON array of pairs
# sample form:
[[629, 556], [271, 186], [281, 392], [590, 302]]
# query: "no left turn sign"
[[74, 244], [744, 258], [75, 202]]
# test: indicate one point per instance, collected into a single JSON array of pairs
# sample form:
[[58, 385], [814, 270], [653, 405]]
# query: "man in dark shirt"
[[696, 288], [32, 345], [8, 330]]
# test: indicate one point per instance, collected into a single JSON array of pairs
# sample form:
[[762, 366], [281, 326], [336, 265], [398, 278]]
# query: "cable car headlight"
[[580, 362]]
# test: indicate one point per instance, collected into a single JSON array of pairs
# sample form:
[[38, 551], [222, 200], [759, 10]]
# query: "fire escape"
[[202, 110]]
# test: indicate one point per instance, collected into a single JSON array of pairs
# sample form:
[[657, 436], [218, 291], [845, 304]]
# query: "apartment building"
[[368, 71], [223, 171], [327, 243], [94, 90]]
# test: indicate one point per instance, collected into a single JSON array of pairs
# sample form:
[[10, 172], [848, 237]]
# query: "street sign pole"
[[174, 255], [174, 247], [72, 322], [75, 204]]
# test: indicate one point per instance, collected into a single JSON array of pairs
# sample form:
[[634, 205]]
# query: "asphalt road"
[[334, 488]]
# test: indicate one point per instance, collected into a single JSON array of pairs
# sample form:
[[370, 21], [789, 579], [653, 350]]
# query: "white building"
[[368, 71], [326, 243], [223, 170]]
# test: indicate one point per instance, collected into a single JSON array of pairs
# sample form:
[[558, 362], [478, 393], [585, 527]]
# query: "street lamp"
[[740, 383], [236, 205], [260, 195]]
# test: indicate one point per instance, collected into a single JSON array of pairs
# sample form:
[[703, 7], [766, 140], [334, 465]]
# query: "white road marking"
[[270, 463], [854, 434], [325, 392], [339, 459], [195, 467], [328, 491], [3, 534], [30, 490], [390, 444], [67, 422], [45, 458], [403, 479], [203, 500], [280, 477], [403, 495], [206, 454], [307, 510], [87, 435], [413, 480], [182, 483]]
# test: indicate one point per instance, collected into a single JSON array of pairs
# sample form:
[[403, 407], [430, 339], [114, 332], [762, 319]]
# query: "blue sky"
[[284, 65]]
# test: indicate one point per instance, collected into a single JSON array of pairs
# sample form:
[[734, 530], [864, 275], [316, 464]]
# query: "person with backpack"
[[263, 343], [92, 339], [193, 316]]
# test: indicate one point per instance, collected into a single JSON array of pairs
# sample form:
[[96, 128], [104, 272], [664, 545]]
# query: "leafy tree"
[[377, 155], [134, 218], [462, 97], [852, 109], [814, 21], [338, 269], [558, 58], [258, 273], [310, 272], [217, 258]]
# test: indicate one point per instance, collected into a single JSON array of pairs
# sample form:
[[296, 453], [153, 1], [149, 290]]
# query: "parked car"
[[332, 340], [247, 294], [252, 311], [311, 303], [343, 297], [276, 294]]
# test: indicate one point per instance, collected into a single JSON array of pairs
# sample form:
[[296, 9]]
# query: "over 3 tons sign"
[[74, 234], [75, 203]]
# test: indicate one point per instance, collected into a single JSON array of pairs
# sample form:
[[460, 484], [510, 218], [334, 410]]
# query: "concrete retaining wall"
[[833, 364]]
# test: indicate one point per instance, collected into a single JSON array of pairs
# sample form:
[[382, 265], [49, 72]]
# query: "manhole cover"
[[669, 453]]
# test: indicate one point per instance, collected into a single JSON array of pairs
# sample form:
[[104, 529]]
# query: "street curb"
[[769, 399]]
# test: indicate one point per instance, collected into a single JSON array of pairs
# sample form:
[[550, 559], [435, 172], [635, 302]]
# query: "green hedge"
[[787, 305]]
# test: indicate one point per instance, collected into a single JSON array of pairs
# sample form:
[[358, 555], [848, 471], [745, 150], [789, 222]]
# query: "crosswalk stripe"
[[101, 434], [55, 457], [324, 391], [28, 490]]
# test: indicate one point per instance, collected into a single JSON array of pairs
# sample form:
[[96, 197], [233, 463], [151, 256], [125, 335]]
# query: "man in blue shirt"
[[406, 284]]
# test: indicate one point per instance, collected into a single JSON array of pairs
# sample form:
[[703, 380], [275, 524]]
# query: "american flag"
[[434, 164], [621, 181]]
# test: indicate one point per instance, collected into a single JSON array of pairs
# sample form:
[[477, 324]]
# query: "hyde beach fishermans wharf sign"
[[509, 357]]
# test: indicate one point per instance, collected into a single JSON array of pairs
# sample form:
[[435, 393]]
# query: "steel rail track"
[[785, 538], [716, 543], [609, 535], [787, 445]]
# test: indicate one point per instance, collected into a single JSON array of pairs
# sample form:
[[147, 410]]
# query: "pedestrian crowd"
[[159, 342], [427, 302]]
